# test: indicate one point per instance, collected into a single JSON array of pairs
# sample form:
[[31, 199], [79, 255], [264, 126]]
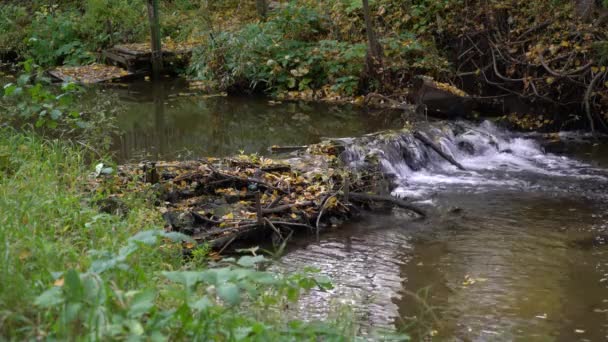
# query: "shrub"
[[55, 39], [14, 27]]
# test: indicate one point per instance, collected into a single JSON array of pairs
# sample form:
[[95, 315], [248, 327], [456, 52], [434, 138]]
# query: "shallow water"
[[514, 249], [183, 126]]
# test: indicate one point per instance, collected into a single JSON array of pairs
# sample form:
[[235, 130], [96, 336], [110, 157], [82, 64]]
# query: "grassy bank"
[[69, 271]]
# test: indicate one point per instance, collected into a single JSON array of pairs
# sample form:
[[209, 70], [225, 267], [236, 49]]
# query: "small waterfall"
[[490, 155]]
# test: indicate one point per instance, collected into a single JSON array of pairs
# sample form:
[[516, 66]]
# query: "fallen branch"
[[357, 196], [437, 149], [588, 95]]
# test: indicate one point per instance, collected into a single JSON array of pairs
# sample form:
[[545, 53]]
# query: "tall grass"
[[46, 224]]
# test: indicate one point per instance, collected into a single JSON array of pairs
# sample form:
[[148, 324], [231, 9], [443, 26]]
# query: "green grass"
[[68, 272], [47, 225]]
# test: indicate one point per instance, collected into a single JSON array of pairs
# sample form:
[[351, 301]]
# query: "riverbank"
[[541, 69], [70, 270]]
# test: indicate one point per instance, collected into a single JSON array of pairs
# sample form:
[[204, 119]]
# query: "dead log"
[[437, 149], [362, 197]]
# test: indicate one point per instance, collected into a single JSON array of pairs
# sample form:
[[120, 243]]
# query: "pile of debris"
[[89, 74], [219, 201]]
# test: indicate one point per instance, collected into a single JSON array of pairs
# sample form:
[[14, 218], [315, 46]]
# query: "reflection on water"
[[193, 126]]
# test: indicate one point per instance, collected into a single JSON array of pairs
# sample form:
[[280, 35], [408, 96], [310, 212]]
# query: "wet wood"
[[438, 150], [355, 196]]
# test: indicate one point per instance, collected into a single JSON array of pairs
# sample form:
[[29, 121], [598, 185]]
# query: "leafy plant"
[[55, 39], [32, 100]]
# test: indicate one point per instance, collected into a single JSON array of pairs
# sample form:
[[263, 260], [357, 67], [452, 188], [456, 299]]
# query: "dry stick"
[[276, 201], [572, 73], [436, 148], [292, 224], [321, 212], [285, 207], [276, 230], [200, 217], [588, 95], [227, 244], [244, 179], [346, 189], [258, 207], [389, 199]]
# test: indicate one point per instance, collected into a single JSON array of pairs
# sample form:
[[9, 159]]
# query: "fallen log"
[[438, 150], [362, 197]]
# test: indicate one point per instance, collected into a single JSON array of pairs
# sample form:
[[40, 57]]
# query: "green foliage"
[[278, 56], [14, 28], [56, 111], [54, 39], [108, 22], [293, 52]]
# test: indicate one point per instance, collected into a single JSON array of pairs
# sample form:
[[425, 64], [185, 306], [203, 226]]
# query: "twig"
[[324, 203], [276, 230], [285, 207]]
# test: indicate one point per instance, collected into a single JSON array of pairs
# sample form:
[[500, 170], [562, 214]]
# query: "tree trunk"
[[155, 43], [374, 50], [262, 7]]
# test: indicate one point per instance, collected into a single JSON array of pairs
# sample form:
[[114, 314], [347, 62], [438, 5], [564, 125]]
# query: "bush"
[[109, 22], [14, 27], [55, 39], [280, 55]]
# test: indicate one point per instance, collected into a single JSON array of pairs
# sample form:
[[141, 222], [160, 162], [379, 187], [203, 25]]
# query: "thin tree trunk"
[[374, 49], [157, 54]]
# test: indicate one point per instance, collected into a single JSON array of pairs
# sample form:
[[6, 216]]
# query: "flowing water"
[[514, 248]]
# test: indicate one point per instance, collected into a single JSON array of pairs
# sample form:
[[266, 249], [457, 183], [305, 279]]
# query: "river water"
[[514, 248]]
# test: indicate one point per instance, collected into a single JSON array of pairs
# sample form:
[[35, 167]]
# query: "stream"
[[515, 247]]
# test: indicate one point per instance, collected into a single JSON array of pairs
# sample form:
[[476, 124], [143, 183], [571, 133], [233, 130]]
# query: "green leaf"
[[50, 298], [9, 89], [187, 278], [229, 293], [56, 114], [142, 303], [202, 304], [250, 261], [177, 237], [73, 285]]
